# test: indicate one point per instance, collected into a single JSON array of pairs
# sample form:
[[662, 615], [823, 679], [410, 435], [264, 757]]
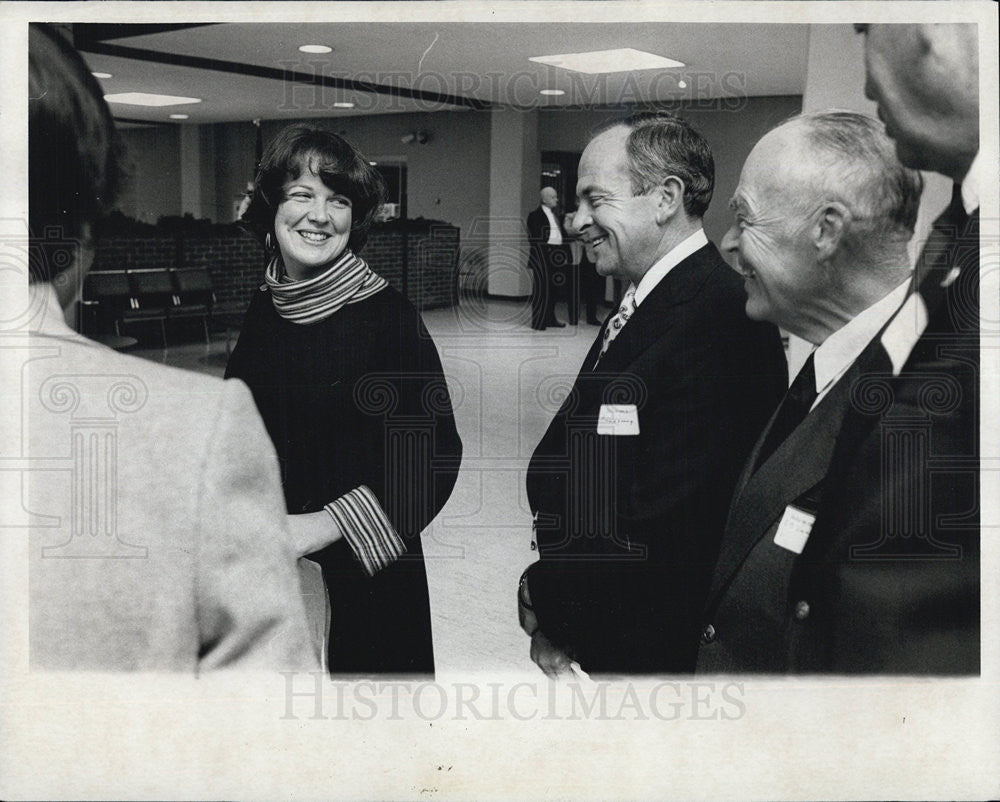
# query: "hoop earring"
[[268, 242]]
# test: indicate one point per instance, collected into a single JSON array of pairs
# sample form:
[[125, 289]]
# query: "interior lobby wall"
[[730, 129], [153, 156], [447, 178]]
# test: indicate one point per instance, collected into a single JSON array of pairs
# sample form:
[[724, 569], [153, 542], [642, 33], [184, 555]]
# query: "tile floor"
[[506, 382]]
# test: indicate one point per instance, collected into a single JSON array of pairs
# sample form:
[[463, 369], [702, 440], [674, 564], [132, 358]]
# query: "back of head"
[[74, 169], [853, 161], [661, 144]]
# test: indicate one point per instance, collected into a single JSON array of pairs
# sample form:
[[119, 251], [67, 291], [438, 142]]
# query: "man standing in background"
[[548, 260]]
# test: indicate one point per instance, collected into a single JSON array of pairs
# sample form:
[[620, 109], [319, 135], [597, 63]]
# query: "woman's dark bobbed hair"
[[302, 147]]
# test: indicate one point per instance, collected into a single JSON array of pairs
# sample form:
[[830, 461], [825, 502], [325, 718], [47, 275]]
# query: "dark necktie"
[[617, 323], [944, 251], [794, 408]]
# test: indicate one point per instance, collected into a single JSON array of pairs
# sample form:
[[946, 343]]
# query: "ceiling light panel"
[[147, 99], [624, 59]]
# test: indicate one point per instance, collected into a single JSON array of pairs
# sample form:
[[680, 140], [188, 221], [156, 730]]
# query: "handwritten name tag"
[[793, 529], [618, 419]]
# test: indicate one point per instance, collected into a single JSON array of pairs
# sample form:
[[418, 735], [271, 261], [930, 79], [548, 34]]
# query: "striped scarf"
[[347, 281]]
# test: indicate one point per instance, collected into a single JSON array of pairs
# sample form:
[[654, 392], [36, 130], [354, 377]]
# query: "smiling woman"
[[312, 225], [350, 387]]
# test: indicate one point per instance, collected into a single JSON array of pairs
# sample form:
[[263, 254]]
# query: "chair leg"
[[163, 332], [204, 321]]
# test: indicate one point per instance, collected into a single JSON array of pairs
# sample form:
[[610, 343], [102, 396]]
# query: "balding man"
[[823, 214], [892, 575], [548, 257], [630, 482]]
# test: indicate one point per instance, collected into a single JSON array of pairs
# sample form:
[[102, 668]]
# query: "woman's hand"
[[312, 531]]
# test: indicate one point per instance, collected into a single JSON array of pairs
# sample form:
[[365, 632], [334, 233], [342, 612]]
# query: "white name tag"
[[794, 528], [618, 419]]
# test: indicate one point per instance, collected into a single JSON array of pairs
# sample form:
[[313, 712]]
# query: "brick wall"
[[236, 262], [135, 253]]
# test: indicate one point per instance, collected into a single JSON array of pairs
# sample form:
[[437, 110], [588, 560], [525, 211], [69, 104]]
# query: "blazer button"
[[708, 634], [802, 610]]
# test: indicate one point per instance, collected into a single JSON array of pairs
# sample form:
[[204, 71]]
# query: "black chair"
[[152, 297], [106, 296], [193, 295]]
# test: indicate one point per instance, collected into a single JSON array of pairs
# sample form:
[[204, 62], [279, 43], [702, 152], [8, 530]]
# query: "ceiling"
[[255, 71]]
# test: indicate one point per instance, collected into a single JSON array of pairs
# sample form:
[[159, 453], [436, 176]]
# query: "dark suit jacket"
[[749, 613], [888, 580], [628, 527], [539, 228], [538, 235], [892, 568]]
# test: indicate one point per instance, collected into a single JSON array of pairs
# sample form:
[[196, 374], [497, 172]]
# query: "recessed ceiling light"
[[554, 92], [624, 59], [315, 49], [178, 116], [146, 99], [101, 74], [682, 84], [343, 104]]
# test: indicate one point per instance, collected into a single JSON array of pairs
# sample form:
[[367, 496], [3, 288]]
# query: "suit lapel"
[[796, 466], [945, 248], [657, 313], [651, 320]]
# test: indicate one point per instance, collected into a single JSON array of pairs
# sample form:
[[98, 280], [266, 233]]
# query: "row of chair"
[[119, 298]]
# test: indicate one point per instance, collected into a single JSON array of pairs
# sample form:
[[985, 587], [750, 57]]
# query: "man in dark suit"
[[589, 283], [824, 211], [889, 579], [629, 484], [548, 260]]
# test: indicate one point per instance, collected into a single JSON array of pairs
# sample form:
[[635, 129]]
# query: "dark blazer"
[[892, 568], [749, 612], [628, 527], [539, 259], [888, 580], [539, 227]]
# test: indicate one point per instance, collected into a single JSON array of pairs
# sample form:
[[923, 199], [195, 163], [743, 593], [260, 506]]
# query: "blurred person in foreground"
[[351, 389], [161, 541]]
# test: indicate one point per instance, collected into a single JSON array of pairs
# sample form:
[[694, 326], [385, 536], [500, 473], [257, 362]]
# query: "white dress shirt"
[[972, 184], [555, 235], [902, 334], [837, 353], [668, 262]]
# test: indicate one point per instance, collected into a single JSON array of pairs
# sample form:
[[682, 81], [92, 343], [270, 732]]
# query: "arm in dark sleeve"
[[415, 466], [670, 498]]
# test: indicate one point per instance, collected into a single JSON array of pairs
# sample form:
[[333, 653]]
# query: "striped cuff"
[[367, 529]]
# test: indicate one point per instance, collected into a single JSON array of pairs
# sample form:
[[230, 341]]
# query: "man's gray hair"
[[861, 168], [661, 144]]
